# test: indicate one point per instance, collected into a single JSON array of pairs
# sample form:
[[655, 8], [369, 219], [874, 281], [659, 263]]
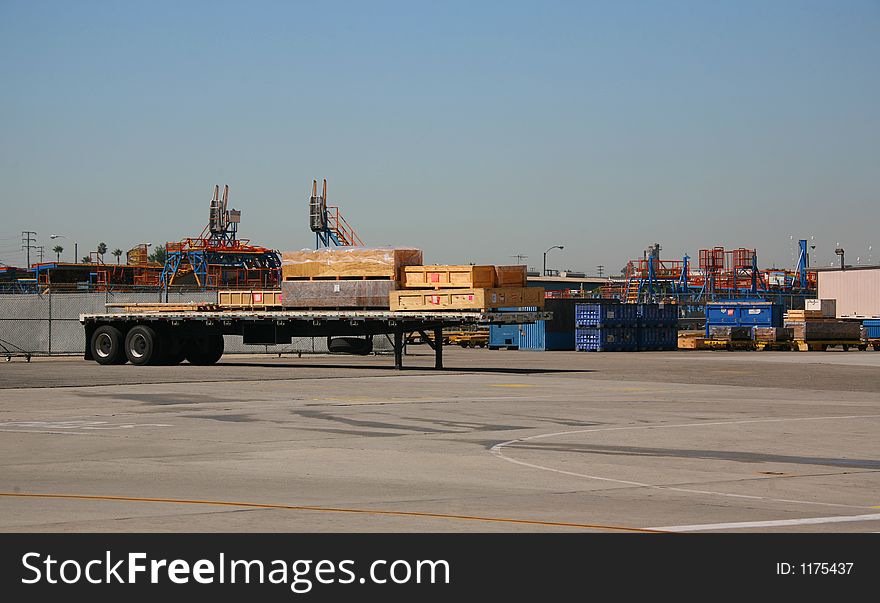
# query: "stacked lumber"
[[163, 307], [464, 287], [804, 315]]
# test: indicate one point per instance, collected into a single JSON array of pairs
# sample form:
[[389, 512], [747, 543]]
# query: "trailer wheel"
[[876, 347], [107, 345], [205, 348], [863, 347], [350, 345], [143, 346], [175, 347]]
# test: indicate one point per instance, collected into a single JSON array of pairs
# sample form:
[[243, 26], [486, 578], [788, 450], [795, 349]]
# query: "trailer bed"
[[169, 336]]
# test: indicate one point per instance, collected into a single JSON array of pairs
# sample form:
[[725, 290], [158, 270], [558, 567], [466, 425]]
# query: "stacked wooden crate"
[[343, 277], [249, 299], [814, 325], [464, 287]]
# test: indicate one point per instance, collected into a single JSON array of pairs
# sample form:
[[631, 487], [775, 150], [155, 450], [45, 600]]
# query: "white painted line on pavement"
[[497, 451], [740, 525]]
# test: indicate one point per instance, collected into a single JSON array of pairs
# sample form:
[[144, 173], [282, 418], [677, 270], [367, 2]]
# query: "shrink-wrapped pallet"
[[337, 294], [348, 262]]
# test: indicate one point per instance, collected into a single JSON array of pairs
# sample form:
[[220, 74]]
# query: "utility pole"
[[601, 268], [40, 249], [519, 257], [28, 240]]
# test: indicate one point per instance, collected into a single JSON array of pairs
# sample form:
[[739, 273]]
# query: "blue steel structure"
[[218, 258], [327, 223], [721, 274]]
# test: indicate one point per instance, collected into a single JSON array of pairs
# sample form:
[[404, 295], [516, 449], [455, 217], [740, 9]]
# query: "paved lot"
[[500, 441]]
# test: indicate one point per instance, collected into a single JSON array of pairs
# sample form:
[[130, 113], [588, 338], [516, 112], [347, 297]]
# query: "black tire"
[[350, 345], [862, 348], [143, 346], [175, 348], [205, 348], [107, 345], [845, 348]]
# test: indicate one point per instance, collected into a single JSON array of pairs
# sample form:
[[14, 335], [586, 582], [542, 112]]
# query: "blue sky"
[[475, 130]]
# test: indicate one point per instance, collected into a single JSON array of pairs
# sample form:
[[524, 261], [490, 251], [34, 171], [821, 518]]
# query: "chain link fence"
[[46, 324]]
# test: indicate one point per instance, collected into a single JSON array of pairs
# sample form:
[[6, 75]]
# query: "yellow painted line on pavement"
[[251, 505]]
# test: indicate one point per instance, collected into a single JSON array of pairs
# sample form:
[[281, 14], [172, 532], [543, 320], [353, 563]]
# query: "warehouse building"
[[856, 289]]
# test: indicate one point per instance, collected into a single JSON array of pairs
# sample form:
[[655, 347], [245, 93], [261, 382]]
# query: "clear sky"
[[474, 130]]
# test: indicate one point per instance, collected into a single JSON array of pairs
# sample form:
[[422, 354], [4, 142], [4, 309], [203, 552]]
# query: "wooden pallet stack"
[[464, 287]]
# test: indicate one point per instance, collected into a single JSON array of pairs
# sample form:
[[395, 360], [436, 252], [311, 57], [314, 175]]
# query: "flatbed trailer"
[[155, 336]]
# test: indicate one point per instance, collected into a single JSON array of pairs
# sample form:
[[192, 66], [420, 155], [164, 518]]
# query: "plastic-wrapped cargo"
[[348, 262], [337, 294]]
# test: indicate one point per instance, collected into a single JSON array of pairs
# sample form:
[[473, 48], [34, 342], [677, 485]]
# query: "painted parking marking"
[[70, 426], [498, 451], [741, 525]]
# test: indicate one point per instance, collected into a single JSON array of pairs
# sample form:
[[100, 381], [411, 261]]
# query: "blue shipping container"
[[658, 339], [608, 339], [535, 336], [743, 314], [605, 315], [872, 328], [657, 315], [503, 336]]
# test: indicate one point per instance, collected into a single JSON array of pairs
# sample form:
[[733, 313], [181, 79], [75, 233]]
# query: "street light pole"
[[545, 256]]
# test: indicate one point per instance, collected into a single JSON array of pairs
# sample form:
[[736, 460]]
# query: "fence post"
[[49, 295]]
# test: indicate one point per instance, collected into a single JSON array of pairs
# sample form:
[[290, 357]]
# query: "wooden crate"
[[825, 329], [347, 263], [267, 298], [467, 299], [804, 314], [691, 343], [771, 334], [510, 276], [438, 277]]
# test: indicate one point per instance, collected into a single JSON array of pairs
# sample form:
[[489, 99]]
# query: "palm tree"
[[158, 254], [117, 252], [58, 249], [86, 259], [102, 249]]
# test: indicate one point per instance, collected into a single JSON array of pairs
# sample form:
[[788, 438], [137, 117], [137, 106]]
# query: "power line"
[[28, 240]]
